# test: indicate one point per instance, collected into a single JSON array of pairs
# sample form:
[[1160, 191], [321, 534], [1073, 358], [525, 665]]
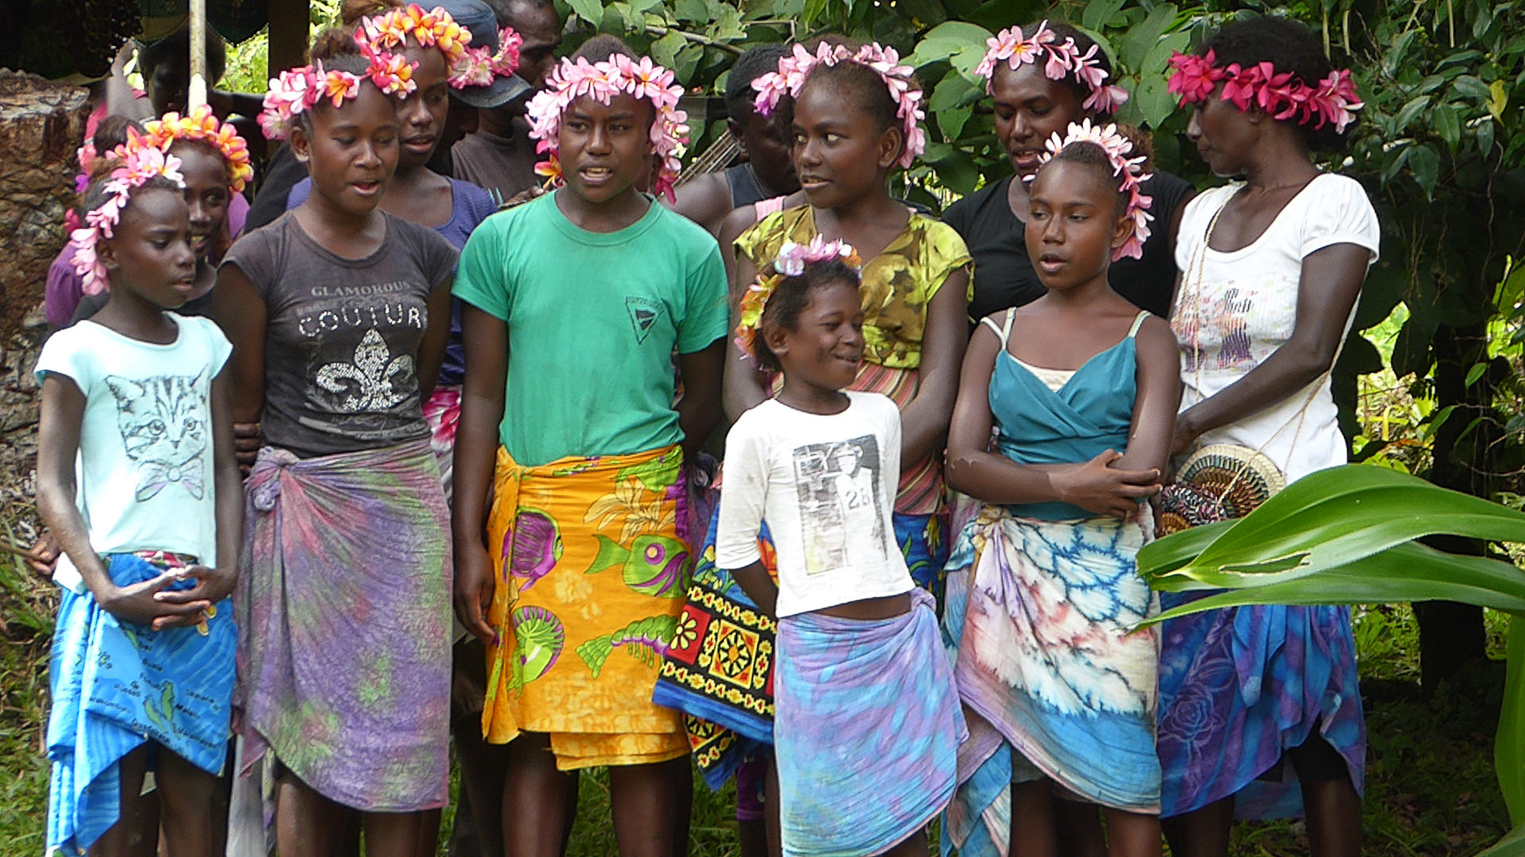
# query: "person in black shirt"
[[1029, 108]]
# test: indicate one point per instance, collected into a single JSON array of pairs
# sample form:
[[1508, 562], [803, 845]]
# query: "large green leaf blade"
[[1509, 745], [1404, 573], [1331, 518]]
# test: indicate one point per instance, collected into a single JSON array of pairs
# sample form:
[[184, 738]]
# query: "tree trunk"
[[1451, 635]]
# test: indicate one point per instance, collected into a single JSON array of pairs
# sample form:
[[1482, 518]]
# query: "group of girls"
[[868, 642]]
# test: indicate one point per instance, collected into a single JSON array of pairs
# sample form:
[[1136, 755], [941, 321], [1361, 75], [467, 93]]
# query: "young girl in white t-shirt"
[[867, 722], [136, 477]]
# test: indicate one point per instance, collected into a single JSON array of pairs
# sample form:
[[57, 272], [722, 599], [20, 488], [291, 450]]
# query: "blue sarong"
[[719, 668], [867, 729], [118, 685]]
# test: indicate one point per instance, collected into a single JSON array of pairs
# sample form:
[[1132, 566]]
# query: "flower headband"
[[142, 162], [1130, 171], [200, 124], [435, 28], [602, 81], [300, 89], [1060, 60], [792, 71], [1334, 101], [791, 262]]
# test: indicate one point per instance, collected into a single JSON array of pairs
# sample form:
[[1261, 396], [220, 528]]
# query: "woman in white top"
[[1260, 714]]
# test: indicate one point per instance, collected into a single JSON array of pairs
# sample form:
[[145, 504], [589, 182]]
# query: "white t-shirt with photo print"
[[825, 486]]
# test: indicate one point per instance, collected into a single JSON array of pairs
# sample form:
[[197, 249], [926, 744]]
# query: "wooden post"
[[288, 34], [196, 92]]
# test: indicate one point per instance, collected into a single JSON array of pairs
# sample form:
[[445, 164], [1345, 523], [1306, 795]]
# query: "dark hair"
[[95, 193], [601, 47], [790, 298], [506, 10], [177, 47], [334, 43], [1289, 46], [351, 11], [1092, 155], [111, 132], [753, 64], [859, 84], [1083, 42]]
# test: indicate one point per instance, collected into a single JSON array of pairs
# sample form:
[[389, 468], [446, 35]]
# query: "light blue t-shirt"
[[593, 320], [144, 473]]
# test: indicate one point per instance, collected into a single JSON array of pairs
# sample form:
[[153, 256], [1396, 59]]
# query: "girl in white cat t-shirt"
[[867, 721], [136, 478]]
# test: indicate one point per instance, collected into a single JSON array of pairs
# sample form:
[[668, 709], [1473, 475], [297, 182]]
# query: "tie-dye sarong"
[[867, 729], [1053, 682], [344, 604], [118, 685], [593, 564], [719, 668], [1239, 687]]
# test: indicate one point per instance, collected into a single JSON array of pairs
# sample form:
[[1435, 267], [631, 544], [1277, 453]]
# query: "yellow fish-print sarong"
[[593, 559]]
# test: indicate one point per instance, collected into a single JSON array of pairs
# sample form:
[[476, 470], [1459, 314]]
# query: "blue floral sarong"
[[719, 668], [868, 727], [119, 685]]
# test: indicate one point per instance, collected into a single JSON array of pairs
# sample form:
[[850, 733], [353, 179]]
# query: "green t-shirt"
[[593, 319]]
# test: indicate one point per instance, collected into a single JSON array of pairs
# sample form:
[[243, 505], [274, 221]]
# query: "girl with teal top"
[[1081, 388]]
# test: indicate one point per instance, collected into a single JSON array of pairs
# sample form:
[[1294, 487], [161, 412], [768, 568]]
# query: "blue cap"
[[478, 18]]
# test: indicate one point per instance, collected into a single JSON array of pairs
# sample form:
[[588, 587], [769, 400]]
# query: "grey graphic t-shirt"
[[342, 335]]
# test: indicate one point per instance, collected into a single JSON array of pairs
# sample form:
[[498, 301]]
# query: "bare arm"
[[431, 351], [759, 586], [706, 201], [1158, 377], [240, 313], [700, 410], [924, 421], [1331, 282], [735, 223], [58, 431], [745, 386], [994, 478], [476, 450]]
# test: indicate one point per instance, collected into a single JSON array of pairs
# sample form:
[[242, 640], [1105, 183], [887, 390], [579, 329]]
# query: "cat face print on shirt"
[[163, 420]]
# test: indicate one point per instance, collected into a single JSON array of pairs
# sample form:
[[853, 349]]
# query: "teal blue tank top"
[[1091, 413]]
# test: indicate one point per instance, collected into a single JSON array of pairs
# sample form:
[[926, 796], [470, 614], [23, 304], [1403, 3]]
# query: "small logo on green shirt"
[[643, 315]]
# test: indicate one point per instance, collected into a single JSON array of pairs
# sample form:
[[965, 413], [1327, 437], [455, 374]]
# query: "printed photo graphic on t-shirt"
[[164, 430], [841, 517]]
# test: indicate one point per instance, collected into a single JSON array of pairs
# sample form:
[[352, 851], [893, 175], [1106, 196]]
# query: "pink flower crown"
[[602, 81], [1333, 101], [1129, 170], [791, 261], [201, 124], [1060, 60], [792, 71], [300, 89], [435, 28], [142, 162]]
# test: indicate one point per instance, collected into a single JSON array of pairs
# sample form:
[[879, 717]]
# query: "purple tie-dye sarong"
[[343, 608], [867, 726]]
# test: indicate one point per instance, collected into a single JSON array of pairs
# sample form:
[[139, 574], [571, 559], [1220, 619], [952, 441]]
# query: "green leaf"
[[1408, 112], [1405, 573], [952, 120], [954, 90], [1446, 124], [591, 11], [1473, 88], [1330, 518], [1509, 747], [665, 50], [686, 60], [945, 40], [1132, 47], [1513, 843], [1498, 99], [691, 10], [957, 171], [1475, 372], [1098, 13], [1424, 163]]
